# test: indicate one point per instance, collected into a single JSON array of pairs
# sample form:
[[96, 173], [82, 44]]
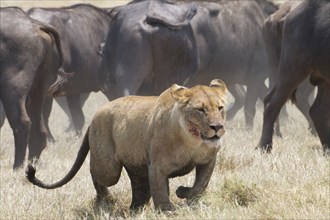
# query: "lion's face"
[[202, 111]]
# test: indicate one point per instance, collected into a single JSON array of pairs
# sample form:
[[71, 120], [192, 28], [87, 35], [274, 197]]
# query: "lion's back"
[[119, 128]]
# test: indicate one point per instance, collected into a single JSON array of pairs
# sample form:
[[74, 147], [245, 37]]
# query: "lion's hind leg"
[[140, 190], [102, 180], [101, 191]]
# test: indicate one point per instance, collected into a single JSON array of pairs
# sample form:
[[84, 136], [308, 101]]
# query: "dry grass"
[[291, 183]]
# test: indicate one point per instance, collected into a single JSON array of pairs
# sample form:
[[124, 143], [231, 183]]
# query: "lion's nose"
[[216, 127]]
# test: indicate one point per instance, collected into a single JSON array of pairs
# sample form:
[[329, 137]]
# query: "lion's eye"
[[201, 110], [220, 108]]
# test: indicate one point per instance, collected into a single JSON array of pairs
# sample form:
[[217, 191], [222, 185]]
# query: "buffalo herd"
[[145, 46]]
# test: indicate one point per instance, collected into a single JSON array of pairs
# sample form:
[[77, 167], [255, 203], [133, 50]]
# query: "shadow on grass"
[[105, 209], [230, 163]]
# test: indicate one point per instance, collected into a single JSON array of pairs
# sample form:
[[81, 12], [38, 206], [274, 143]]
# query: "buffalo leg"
[[320, 114], [83, 98], [302, 93], [76, 112], [47, 110], [63, 103], [15, 98], [283, 113], [273, 102], [252, 95], [38, 134], [237, 92], [290, 74], [20, 123]]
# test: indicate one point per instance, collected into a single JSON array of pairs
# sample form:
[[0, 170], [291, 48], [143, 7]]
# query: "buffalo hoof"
[[278, 134], [17, 166], [265, 148], [168, 208]]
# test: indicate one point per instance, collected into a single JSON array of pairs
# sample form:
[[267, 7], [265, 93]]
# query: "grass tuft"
[[238, 193]]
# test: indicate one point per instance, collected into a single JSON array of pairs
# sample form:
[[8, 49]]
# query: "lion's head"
[[202, 109]]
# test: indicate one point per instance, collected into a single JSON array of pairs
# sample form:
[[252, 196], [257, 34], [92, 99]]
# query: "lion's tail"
[[83, 151]]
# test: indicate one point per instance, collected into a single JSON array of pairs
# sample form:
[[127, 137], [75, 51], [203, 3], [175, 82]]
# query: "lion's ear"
[[220, 86], [179, 93]]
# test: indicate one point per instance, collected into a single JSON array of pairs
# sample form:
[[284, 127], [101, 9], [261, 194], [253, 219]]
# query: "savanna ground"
[[293, 182]]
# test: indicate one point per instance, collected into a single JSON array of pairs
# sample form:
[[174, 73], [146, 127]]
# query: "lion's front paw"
[[183, 192]]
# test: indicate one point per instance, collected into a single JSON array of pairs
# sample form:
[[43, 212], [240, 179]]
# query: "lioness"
[[154, 138]]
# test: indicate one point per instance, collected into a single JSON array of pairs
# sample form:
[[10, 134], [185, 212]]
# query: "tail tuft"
[[30, 173]]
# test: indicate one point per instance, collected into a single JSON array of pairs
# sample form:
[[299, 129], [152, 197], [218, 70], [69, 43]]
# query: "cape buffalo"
[[233, 48], [272, 33], [30, 58], [2, 115], [82, 29], [305, 51], [156, 43]]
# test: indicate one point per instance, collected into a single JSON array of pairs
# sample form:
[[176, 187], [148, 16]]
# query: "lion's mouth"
[[213, 138], [197, 133]]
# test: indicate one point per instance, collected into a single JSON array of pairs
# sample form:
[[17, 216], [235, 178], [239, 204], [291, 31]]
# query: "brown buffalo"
[[305, 51], [30, 58]]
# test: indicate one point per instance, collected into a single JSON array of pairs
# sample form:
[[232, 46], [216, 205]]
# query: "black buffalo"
[[152, 44], [82, 29], [272, 33], [305, 51], [30, 59]]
